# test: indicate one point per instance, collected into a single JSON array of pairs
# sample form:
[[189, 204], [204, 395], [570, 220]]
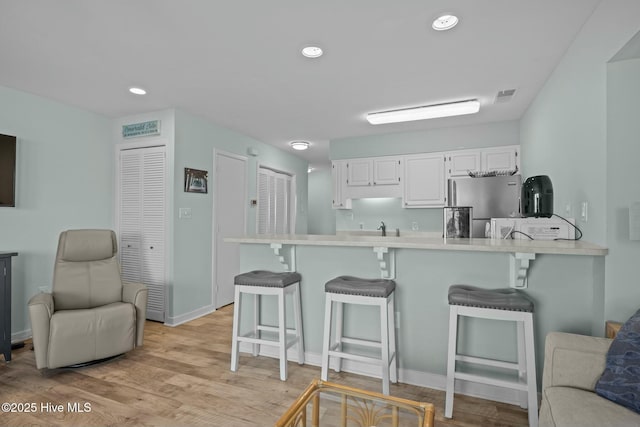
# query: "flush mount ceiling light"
[[299, 145], [312, 52], [444, 22], [425, 112], [137, 91]]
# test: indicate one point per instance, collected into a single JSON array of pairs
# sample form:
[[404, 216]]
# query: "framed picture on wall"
[[195, 180], [457, 222]]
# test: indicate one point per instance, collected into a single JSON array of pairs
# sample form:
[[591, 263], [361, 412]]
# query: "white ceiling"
[[237, 63]]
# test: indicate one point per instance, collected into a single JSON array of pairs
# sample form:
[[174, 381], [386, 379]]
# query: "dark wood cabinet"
[[5, 303]]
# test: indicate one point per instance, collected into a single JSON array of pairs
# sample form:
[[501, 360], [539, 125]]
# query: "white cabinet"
[[141, 223], [459, 163], [501, 158], [386, 171], [373, 171], [424, 181], [339, 179]]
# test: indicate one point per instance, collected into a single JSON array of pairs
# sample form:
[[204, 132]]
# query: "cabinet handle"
[[128, 246], [150, 247]]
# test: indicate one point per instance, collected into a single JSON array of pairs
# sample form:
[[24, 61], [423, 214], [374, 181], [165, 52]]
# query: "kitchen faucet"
[[383, 227]]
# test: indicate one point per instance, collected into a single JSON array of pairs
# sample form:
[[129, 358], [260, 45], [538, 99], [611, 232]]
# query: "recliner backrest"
[[86, 272]]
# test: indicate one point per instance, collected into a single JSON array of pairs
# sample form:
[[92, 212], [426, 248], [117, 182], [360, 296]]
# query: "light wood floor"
[[181, 377]]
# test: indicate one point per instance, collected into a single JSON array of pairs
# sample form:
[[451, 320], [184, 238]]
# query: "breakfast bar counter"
[[565, 279]]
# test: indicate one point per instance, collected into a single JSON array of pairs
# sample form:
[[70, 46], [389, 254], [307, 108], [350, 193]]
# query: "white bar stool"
[[353, 290], [258, 283], [497, 304]]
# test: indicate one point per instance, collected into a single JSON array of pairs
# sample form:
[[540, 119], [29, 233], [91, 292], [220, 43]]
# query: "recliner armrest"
[[41, 308], [137, 294], [573, 360]]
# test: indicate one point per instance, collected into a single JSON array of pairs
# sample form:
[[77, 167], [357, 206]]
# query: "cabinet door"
[[459, 163], [424, 181], [339, 180], [500, 158], [360, 172], [386, 171]]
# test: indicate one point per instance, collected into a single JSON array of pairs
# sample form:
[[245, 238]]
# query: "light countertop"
[[559, 247]]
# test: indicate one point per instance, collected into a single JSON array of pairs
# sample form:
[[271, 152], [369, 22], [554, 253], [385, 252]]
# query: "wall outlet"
[[415, 226], [184, 213], [44, 289]]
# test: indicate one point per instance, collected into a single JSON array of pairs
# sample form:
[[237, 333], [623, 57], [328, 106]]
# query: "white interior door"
[[230, 221]]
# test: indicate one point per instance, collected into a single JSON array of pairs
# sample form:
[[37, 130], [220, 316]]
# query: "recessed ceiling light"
[[299, 145], [312, 52], [137, 91], [445, 22], [425, 112]]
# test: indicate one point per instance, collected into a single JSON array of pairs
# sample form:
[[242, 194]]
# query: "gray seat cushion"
[[501, 299], [267, 279], [349, 285]]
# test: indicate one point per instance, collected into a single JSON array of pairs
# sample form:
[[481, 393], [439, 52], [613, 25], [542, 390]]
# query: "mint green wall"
[[623, 176], [369, 213], [322, 218], [195, 140], [442, 139], [565, 134], [63, 181]]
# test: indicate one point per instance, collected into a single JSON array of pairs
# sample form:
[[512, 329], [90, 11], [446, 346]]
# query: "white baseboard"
[[21, 336], [407, 376], [187, 317]]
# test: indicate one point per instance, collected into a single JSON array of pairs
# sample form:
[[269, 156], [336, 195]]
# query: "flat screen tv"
[[7, 170]]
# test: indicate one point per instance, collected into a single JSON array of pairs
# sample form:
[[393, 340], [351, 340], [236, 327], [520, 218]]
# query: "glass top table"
[[328, 404]]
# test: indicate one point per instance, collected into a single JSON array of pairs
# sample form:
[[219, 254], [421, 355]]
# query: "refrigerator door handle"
[[453, 198]]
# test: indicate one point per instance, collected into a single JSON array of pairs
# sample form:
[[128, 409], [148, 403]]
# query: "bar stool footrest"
[[487, 362], [515, 385]]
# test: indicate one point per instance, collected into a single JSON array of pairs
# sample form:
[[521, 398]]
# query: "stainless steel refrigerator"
[[490, 197]]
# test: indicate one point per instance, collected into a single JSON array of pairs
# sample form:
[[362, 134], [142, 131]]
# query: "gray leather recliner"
[[90, 314]]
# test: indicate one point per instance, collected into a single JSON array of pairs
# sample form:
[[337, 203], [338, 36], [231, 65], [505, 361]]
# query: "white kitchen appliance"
[[537, 228]]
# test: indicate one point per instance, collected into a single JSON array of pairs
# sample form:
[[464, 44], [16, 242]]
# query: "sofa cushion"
[[572, 407], [620, 381]]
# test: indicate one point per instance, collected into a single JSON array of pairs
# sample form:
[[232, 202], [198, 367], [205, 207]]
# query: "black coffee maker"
[[537, 197]]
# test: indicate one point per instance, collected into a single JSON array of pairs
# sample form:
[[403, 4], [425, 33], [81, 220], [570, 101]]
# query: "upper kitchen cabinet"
[[505, 158], [459, 163], [373, 171], [424, 181], [386, 171], [339, 179], [359, 172], [494, 159]]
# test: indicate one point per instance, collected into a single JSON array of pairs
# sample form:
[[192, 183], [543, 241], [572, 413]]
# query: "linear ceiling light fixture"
[[458, 108]]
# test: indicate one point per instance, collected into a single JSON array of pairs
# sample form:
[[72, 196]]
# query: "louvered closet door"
[[142, 223]]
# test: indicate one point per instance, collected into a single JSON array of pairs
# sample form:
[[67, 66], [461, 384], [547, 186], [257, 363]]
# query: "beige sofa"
[[91, 314], [572, 366]]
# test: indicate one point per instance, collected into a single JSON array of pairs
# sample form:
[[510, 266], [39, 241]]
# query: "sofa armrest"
[[137, 294], [41, 308], [573, 360]]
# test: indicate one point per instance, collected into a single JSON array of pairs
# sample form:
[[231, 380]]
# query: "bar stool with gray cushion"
[[259, 283], [497, 304], [354, 290]]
